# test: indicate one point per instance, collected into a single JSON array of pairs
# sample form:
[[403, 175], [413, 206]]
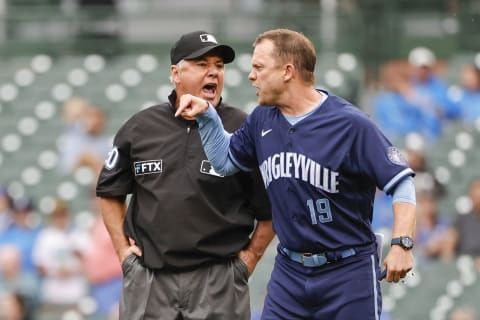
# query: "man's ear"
[[288, 72], [174, 73]]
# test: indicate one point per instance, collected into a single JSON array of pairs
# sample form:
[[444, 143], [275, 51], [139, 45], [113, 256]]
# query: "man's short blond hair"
[[293, 47]]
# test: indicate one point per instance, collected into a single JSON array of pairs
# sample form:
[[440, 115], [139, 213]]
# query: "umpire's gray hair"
[[179, 67]]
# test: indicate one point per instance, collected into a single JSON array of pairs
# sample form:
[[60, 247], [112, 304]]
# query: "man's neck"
[[301, 102]]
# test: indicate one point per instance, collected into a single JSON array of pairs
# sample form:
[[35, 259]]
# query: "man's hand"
[[250, 259], [131, 249], [191, 106], [398, 263]]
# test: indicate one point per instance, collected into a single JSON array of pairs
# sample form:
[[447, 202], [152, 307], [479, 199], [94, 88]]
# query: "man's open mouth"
[[210, 89]]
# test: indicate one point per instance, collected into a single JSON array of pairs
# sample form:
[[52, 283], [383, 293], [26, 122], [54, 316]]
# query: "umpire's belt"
[[316, 259]]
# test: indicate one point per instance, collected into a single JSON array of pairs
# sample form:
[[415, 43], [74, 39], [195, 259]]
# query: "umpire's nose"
[[213, 70]]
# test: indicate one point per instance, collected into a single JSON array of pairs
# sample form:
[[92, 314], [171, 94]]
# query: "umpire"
[[184, 240]]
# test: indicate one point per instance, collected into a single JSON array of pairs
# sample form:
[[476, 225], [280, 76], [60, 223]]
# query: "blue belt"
[[316, 259]]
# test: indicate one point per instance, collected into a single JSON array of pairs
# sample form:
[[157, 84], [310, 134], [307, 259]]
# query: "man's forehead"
[[263, 48], [262, 53]]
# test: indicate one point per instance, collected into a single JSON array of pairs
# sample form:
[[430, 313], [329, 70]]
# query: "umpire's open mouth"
[[209, 90]]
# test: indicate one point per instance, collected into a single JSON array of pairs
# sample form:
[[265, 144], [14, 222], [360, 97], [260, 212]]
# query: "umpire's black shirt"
[[181, 213]]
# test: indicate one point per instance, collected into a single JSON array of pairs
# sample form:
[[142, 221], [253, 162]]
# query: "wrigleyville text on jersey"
[[298, 166]]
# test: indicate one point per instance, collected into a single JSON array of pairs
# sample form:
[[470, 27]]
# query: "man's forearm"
[[261, 238], [113, 213], [404, 219]]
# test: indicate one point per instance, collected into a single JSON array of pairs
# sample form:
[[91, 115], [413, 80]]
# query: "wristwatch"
[[405, 242]]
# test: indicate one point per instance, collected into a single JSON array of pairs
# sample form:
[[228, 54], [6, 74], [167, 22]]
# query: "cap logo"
[[208, 38]]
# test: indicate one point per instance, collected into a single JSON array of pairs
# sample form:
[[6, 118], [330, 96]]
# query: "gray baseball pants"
[[212, 292]]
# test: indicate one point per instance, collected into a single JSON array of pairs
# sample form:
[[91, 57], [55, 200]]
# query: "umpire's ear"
[[174, 69]]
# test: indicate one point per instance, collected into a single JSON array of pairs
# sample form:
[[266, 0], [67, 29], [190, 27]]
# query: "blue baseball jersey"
[[321, 173]]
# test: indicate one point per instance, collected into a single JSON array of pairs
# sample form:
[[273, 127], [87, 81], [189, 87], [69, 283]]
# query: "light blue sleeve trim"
[[405, 192], [396, 179], [216, 142]]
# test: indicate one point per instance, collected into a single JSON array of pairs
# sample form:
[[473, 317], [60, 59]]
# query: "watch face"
[[407, 242]]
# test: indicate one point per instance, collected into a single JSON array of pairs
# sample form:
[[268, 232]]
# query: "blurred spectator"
[[84, 142], [429, 91], [22, 232], [103, 268], [12, 307], [394, 109], [57, 257], [464, 237], [6, 214], [14, 279], [469, 103], [432, 228], [425, 180], [393, 113]]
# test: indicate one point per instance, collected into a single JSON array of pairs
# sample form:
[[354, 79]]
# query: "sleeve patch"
[[396, 156], [112, 159]]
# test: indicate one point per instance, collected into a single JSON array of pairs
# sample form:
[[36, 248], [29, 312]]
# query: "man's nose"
[[213, 70]]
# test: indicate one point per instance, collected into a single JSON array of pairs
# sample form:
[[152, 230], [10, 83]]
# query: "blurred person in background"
[[464, 236], [395, 110], [14, 279], [12, 307], [22, 232], [184, 242], [469, 102], [84, 143], [57, 256], [391, 109], [429, 91]]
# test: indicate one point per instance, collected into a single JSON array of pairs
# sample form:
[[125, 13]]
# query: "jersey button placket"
[[290, 188], [289, 143]]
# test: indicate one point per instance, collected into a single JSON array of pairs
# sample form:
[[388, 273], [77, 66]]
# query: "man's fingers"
[[136, 250], [396, 276], [190, 106]]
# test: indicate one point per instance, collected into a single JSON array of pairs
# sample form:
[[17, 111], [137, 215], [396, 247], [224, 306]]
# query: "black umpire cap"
[[197, 44]]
